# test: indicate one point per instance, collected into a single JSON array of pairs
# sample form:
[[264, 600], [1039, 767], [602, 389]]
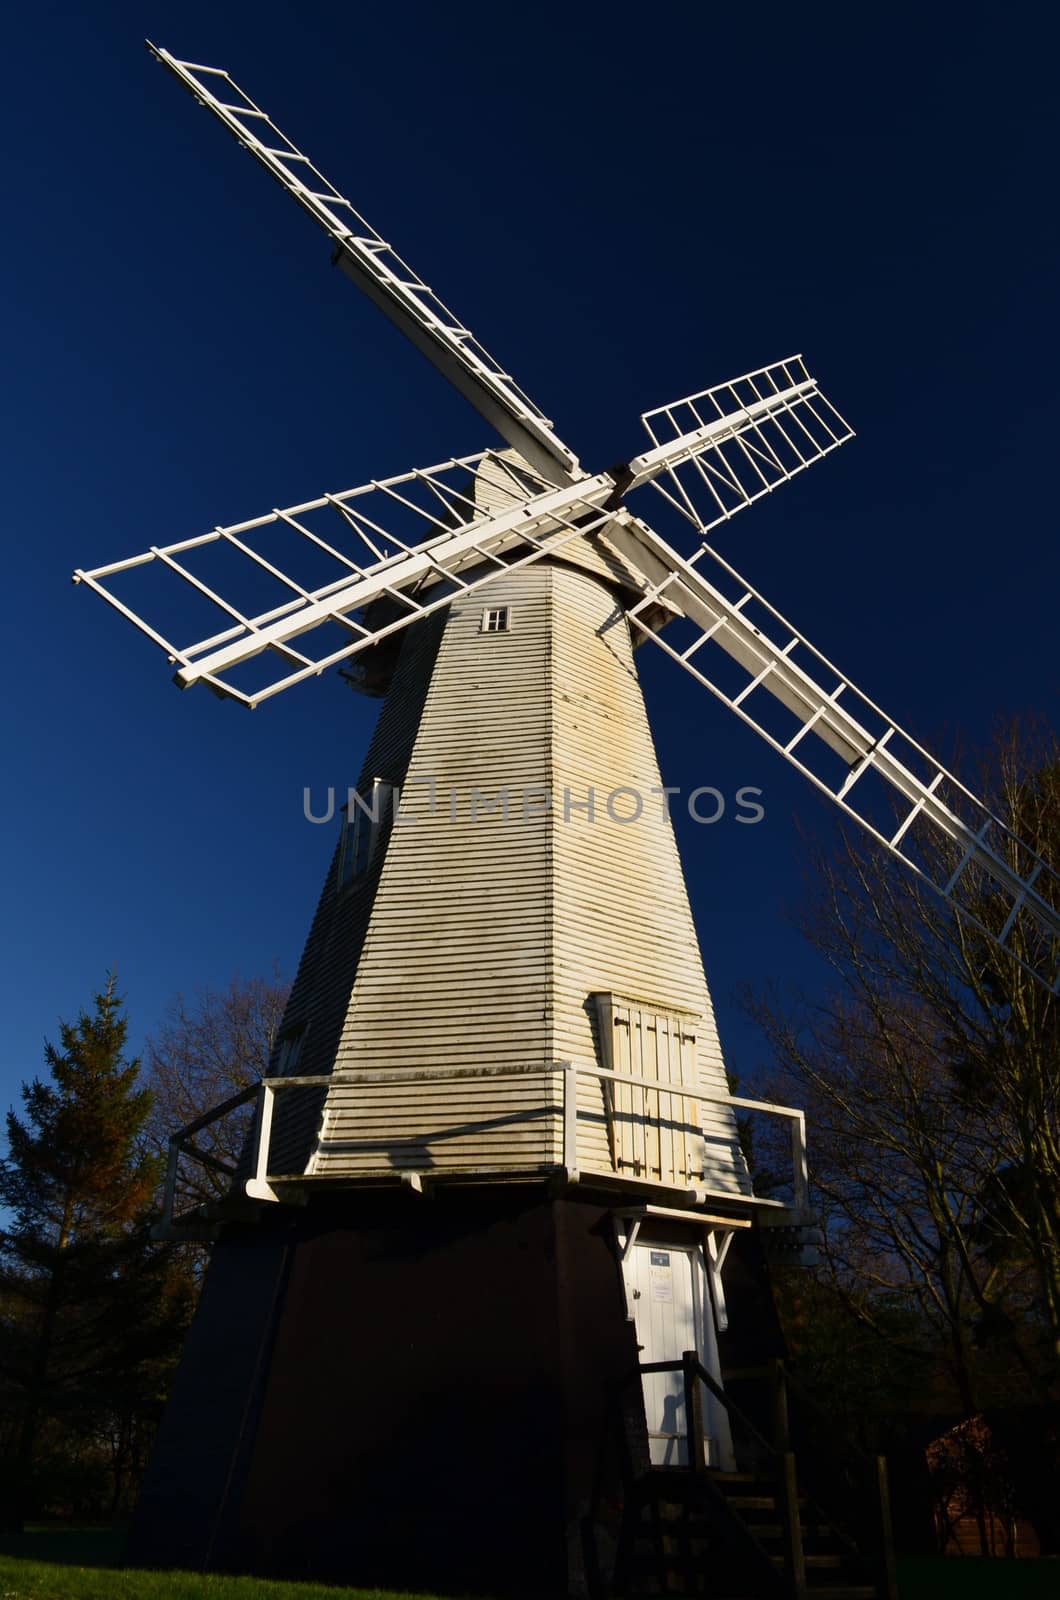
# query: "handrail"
[[690, 1362], [781, 1369], [797, 1117], [872, 1468], [179, 1144], [782, 1460], [570, 1072], [568, 1110]]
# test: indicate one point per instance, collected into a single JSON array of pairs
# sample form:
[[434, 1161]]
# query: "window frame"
[[502, 626]]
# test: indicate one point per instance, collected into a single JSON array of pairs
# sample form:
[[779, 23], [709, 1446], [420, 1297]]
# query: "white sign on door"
[[662, 1276]]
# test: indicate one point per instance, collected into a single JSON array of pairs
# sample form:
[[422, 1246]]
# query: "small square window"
[[496, 619]]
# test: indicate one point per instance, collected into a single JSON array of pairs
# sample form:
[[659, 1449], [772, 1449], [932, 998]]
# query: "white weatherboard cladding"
[[320, 995], [622, 918], [491, 935], [454, 971]]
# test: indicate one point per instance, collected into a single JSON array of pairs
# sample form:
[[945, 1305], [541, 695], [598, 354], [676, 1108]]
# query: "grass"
[[39, 1580], [84, 1564]]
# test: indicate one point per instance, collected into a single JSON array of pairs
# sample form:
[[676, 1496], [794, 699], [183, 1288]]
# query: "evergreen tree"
[[92, 1309]]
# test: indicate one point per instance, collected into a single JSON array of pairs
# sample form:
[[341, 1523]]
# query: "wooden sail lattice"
[[292, 586], [712, 454]]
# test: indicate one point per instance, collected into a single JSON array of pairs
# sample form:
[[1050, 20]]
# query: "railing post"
[[794, 1556], [570, 1118], [264, 1131], [799, 1167], [693, 1410], [888, 1573]]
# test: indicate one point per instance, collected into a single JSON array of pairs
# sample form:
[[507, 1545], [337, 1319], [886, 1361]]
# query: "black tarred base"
[[420, 1392]]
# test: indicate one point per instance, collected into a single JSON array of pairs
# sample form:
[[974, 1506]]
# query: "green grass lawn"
[[84, 1564], [42, 1580]]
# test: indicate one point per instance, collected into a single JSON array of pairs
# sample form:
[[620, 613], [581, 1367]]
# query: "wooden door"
[[668, 1296]]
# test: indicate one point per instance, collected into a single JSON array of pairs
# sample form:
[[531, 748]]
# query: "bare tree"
[[896, 1164], [931, 1075], [207, 1049]]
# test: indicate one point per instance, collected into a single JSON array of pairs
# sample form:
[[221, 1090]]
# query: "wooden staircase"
[[831, 1565], [676, 1543], [743, 1535]]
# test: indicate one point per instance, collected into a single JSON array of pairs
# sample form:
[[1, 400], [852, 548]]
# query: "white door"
[[670, 1301]]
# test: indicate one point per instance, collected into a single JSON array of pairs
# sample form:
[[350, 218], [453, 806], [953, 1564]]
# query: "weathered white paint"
[[666, 1289], [489, 937]]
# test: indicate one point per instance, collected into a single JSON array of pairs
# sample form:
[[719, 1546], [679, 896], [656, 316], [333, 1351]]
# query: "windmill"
[[496, 1152]]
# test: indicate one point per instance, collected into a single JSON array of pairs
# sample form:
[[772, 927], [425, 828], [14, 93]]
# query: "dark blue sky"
[[626, 204]]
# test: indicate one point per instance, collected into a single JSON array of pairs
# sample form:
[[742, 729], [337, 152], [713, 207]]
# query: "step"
[[674, 1539], [740, 1480], [831, 1563], [844, 1591], [759, 1502], [810, 1530]]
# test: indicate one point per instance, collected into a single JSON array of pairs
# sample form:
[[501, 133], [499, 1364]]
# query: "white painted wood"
[[666, 1290], [377, 269], [653, 1133], [490, 935], [622, 919]]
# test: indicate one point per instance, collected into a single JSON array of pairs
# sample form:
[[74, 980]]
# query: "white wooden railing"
[[656, 1110]]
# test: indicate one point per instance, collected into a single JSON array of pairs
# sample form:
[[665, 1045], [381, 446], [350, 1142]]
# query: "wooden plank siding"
[[622, 918], [455, 966], [320, 995], [482, 940]]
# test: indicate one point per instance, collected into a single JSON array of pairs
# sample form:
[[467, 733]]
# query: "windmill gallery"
[[480, 1287]]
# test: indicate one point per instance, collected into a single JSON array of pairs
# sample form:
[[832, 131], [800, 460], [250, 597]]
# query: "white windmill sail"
[[416, 539], [778, 423], [387, 280], [712, 454], [423, 536], [717, 452], [752, 659]]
